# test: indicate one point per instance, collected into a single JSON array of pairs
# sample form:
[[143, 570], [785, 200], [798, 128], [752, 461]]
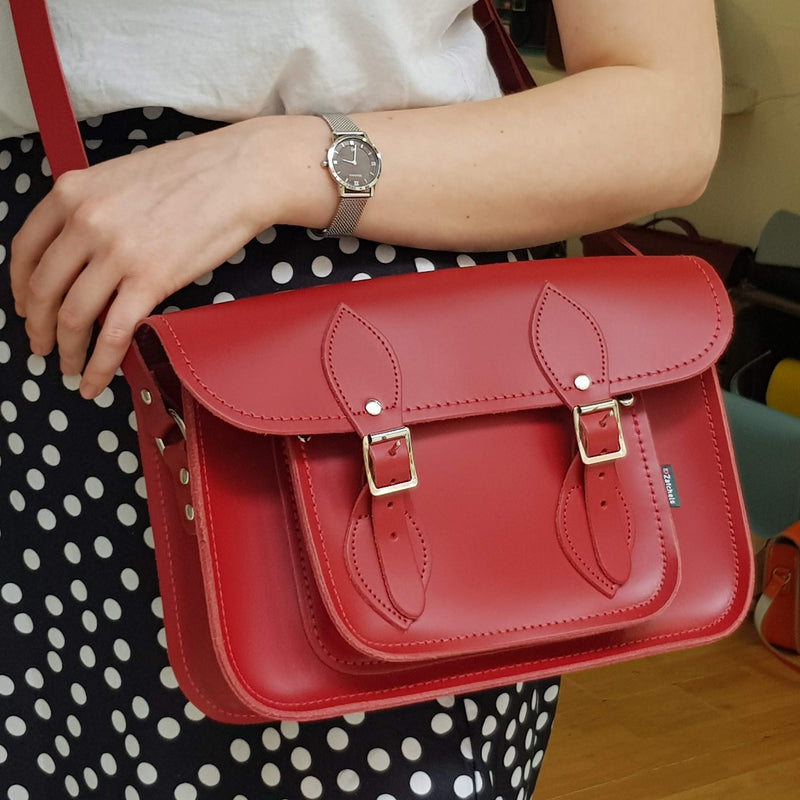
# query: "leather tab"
[[363, 371]]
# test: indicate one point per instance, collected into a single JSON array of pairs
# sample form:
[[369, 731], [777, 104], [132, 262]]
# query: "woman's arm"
[[632, 129]]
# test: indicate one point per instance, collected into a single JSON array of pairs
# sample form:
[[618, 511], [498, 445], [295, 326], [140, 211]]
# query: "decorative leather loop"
[[362, 370], [567, 343]]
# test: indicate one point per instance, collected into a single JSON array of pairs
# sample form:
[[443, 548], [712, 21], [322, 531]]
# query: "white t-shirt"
[[232, 59]]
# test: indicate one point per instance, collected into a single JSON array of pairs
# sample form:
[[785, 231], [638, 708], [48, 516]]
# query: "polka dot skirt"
[[88, 702]]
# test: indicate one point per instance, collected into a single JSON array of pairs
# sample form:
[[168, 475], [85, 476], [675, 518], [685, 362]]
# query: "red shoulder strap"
[[54, 114], [51, 103]]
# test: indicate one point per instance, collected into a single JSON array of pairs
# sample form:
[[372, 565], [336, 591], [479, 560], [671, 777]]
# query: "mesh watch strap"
[[349, 210]]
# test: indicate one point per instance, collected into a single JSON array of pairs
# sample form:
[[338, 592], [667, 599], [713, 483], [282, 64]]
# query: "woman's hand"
[[123, 235]]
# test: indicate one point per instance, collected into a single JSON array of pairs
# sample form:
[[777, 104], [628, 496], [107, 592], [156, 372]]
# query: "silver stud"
[[189, 513], [183, 476], [147, 398], [373, 407], [582, 382]]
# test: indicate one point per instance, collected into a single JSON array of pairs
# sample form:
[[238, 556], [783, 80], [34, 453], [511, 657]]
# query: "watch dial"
[[355, 163]]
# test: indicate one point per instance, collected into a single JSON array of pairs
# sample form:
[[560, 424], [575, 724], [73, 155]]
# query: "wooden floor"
[[712, 723]]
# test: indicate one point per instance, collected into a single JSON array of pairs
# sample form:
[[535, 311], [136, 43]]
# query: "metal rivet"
[[189, 513], [147, 398], [582, 382], [183, 476], [373, 407]]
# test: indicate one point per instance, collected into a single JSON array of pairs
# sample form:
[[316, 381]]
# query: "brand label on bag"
[[671, 486]]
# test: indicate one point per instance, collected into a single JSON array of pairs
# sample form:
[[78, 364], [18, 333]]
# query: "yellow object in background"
[[783, 389]]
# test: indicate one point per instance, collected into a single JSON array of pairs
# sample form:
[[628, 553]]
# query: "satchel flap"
[[462, 342]]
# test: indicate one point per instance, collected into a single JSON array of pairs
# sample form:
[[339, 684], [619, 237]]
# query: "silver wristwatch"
[[355, 165]]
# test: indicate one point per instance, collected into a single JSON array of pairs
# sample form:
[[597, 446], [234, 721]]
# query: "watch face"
[[354, 163]]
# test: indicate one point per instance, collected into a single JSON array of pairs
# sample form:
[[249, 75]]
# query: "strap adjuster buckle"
[[398, 434], [612, 406]]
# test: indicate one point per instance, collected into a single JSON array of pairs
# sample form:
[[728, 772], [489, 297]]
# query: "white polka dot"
[[301, 759], [537, 758], [542, 720], [112, 677], [22, 183], [411, 749], [103, 547], [126, 514], [423, 265], [185, 791], [17, 792], [349, 244], [420, 783], [131, 793], [42, 708], [140, 707], [464, 786], [11, 593], [16, 726], [17, 500], [208, 775], [386, 797], [311, 788], [338, 739], [282, 272], [31, 559], [130, 579], [511, 730], [34, 678], [122, 650], [90, 778], [54, 661], [348, 781], [15, 444], [551, 693], [47, 170], [3, 210], [362, 276], [489, 726], [54, 605], [35, 479], [62, 745], [193, 713], [106, 398], [72, 505], [118, 721], [466, 749], [132, 747], [46, 763], [441, 724], [510, 757], [322, 266], [465, 261], [270, 775], [146, 773], [73, 726], [5, 350], [378, 759], [6, 686], [502, 703], [240, 750], [36, 365], [385, 253], [5, 159], [290, 730], [167, 678], [72, 553], [108, 764], [157, 607], [78, 694], [23, 623], [108, 441], [271, 739], [516, 777], [223, 297], [8, 411], [237, 257], [112, 609], [56, 638], [267, 236], [94, 488], [354, 719], [71, 382], [168, 728], [204, 280], [46, 519], [71, 785]]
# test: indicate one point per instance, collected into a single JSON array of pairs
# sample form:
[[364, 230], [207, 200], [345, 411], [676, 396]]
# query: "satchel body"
[[374, 493], [294, 588]]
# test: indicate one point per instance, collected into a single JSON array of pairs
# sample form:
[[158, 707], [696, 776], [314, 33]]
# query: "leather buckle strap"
[[397, 435], [610, 409]]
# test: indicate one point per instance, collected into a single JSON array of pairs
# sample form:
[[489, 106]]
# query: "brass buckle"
[[611, 405], [387, 436]]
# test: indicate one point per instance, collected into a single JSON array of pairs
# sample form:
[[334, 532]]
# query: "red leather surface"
[[304, 621], [656, 331]]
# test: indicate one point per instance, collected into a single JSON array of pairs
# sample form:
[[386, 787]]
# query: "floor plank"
[[720, 721]]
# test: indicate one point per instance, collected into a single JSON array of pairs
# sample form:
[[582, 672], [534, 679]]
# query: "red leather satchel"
[[363, 495]]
